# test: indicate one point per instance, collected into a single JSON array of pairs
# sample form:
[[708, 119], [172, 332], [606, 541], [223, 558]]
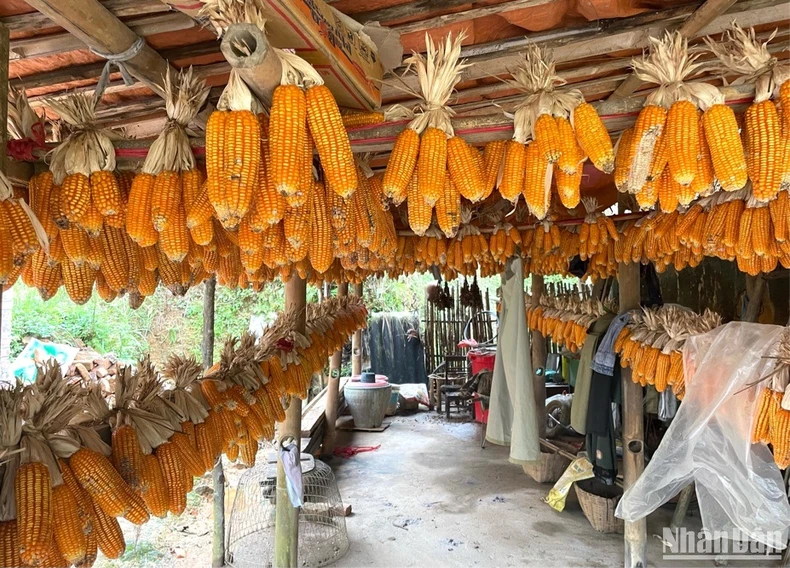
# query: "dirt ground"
[[428, 496]]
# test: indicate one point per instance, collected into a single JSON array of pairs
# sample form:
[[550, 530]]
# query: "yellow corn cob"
[[360, 119], [331, 141], [109, 536], [153, 488], [646, 197], [200, 210], [103, 289], [78, 281], [448, 208], [593, 137], [75, 198], [139, 224], [192, 184], [493, 155], [296, 225], [190, 459], [513, 174], [761, 431], [464, 169], [779, 209], [172, 471], [174, 236], [762, 149], [92, 221], [704, 176], [23, 236], [726, 149], [568, 186], [33, 499], [735, 211], [570, 153], [116, 260], [127, 456], [420, 213], [287, 131], [9, 544], [683, 142], [165, 199], [239, 179], [647, 130], [536, 185], [67, 530], [431, 165], [106, 486], [744, 248], [761, 231], [206, 444], [320, 253], [623, 162], [105, 192], [401, 165], [46, 278], [547, 137]]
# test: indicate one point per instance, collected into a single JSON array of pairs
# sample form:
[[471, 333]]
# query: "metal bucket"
[[368, 402]]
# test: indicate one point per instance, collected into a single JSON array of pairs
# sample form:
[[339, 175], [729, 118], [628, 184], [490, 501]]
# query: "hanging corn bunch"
[[565, 318], [21, 233], [596, 231], [771, 423], [652, 343], [765, 139]]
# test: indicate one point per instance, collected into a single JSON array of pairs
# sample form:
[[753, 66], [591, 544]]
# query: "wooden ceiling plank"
[[703, 16], [466, 15], [99, 29], [408, 10], [62, 42], [35, 21], [599, 39]]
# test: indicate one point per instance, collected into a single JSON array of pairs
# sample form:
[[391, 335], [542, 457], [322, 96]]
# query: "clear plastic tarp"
[[709, 442]]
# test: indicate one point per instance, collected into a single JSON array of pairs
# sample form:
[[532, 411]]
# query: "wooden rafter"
[[415, 10], [99, 29], [703, 16], [467, 15]]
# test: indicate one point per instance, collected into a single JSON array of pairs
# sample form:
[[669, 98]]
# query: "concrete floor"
[[430, 496]]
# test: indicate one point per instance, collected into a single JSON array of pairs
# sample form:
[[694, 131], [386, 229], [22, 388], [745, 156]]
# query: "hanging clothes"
[[601, 432], [581, 391], [512, 417]]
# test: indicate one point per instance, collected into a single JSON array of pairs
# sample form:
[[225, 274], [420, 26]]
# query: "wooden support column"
[[217, 474], [539, 360], [286, 529], [704, 15], [633, 427], [332, 392], [4, 50], [356, 341], [97, 27], [247, 49]]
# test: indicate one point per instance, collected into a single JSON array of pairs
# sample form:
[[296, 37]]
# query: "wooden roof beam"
[[99, 29], [703, 16], [466, 15]]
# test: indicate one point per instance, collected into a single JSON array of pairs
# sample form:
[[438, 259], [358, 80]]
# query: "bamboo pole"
[[332, 393], [255, 62], [633, 427], [356, 341], [4, 49], [539, 360], [286, 529], [217, 473]]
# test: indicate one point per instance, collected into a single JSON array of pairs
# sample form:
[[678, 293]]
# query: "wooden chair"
[[455, 374]]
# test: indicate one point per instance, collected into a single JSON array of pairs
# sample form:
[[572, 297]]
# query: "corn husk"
[[87, 148], [184, 372], [438, 72], [22, 119], [738, 51]]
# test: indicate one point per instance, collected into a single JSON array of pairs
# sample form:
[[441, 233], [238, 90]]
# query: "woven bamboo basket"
[[598, 502], [549, 469]]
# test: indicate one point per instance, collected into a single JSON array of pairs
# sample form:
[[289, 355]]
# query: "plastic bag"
[[578, 470], [709, 442], [667, 405]]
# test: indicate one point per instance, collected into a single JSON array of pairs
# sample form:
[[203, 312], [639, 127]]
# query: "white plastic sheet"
[[512, 419], [709, 442]]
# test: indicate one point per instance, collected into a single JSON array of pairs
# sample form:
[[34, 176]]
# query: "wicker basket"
[[549, 469], [598, 502]]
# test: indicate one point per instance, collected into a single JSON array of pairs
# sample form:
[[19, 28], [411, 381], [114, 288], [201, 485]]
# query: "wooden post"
[[633, 428], [286, 529], [539, 360], [217, 474], [260, 67], [356, 341], [4, 50], [332, 392]]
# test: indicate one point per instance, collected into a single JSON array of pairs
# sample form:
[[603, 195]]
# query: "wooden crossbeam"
[[62, 42], [98, 28], [468, 15], [596, 39], [407, 10], [703, 16]]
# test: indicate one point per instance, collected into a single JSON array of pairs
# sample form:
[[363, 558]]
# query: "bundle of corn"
[[565, 318], [428, 148], [771, 423], [766, 134], [596, 231], [554, 133], [169, 185], [431, 248], [21, 233], [652, 343], [503, 242], [360, 119]]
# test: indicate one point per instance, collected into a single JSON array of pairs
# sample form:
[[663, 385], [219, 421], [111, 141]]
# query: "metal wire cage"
[[322, 525]]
